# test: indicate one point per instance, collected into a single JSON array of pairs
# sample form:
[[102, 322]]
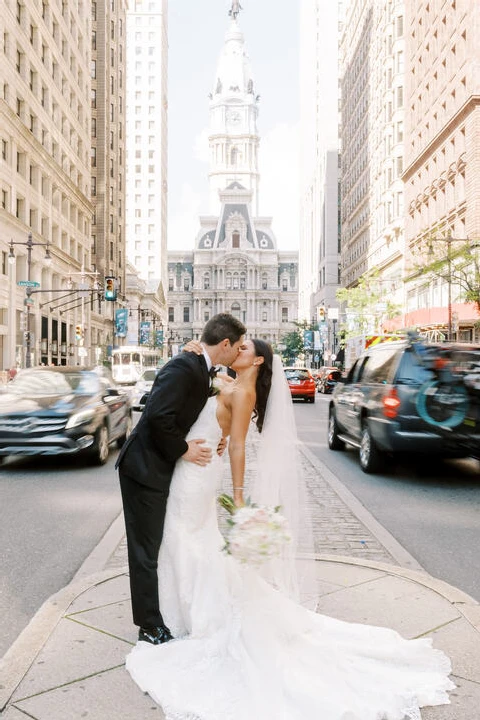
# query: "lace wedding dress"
[[244, 651]]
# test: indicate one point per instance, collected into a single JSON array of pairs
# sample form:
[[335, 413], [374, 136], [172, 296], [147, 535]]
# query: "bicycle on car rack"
[[451, 398]]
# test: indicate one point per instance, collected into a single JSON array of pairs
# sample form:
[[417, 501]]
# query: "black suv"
[[409, 397]]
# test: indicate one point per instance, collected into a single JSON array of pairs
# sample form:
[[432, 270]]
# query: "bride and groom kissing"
[[244, 647]]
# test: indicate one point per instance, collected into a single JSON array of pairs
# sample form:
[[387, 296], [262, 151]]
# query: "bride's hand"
[[193, 346], [221, 446]]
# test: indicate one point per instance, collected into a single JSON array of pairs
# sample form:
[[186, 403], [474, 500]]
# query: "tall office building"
[[319, 175], [108, 181], [147, 65], [442, 169], [372, 137], [45, 97]]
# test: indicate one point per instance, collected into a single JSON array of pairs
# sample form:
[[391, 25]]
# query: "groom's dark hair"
[[222, 326]]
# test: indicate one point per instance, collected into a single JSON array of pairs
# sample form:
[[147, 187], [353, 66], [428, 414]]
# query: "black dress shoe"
[[155, 636]]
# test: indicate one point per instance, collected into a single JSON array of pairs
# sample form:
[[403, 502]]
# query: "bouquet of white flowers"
[[255, 533]]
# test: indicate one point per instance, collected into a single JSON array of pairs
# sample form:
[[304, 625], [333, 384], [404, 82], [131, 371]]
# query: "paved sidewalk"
[[69, 662]]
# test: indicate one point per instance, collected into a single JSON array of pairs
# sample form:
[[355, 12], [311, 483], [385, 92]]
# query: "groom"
[[147, 460]]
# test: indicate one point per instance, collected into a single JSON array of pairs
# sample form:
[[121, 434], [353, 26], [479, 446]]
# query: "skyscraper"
[[147, 101]]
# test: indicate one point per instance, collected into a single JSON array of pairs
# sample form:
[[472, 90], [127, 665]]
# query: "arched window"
[[206, 281], [264, 281], [234, 155], [235, 240], [228, 279], [236, 281], [235, 310], [243, 280]]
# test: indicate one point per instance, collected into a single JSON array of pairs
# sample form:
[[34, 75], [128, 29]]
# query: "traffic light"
[[78, 332], [110, 288], [321, 314]]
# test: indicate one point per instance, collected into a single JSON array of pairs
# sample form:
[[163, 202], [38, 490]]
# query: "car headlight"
[[80, 418]]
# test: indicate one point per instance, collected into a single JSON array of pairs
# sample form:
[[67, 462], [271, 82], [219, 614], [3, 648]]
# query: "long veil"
[[278, 480]]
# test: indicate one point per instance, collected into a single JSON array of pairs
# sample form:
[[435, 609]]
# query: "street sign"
[[28, 283], [29, 301]]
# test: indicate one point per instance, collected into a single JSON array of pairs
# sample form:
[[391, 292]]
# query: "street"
[[431, 509], [55, 512]]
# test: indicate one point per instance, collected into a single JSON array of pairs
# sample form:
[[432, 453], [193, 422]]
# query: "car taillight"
[[391, 403]]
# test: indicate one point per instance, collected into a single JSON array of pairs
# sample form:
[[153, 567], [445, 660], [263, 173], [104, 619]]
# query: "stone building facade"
[[372, 139], [235, 265], [442, 156], [61, 176]]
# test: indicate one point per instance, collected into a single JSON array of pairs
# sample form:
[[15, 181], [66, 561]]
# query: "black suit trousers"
[[144, 511]]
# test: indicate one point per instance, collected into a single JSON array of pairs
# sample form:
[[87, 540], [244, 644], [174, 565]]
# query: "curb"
[[390, 544], [465, 604]]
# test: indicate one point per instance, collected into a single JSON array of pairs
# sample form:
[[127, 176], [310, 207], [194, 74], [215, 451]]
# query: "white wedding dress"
[[244, 651]]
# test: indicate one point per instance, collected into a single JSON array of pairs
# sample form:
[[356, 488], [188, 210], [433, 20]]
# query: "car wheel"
[[128, 429], [312, 399], [370, 455], [334, 442], [100, 448]]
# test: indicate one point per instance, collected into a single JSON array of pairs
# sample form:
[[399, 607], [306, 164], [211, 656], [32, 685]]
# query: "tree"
[[456, 261], [369, 303], [291, 346]]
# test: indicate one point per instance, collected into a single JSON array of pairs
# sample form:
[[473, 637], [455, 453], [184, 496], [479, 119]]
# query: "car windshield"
[[297, 374], [46, 382]]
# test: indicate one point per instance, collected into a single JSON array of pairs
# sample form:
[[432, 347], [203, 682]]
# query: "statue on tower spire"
[[235, 9]]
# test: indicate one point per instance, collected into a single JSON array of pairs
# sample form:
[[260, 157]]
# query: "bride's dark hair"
[[264, 380]]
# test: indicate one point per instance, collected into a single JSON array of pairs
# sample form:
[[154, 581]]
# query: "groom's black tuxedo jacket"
[[176, 399]]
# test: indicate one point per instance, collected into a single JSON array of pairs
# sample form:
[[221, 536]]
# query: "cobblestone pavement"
[[336, 529]]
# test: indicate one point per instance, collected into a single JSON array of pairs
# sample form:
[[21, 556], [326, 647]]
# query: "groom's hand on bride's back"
[[198, 453]]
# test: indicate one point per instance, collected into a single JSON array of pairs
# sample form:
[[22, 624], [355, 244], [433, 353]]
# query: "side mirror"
[[112, 392]]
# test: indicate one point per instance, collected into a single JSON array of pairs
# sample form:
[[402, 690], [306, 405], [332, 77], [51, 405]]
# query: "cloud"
[[183, 221], [278, 165], [201, 146]]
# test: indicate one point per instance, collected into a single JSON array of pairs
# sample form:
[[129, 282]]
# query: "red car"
[[301, 383]]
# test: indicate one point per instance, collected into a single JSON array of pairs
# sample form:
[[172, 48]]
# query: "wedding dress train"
[[244, 651]]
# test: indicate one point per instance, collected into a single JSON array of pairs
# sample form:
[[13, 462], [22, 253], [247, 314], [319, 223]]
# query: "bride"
[[245, 649]]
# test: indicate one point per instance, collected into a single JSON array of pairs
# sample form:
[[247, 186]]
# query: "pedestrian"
[[147, 460]]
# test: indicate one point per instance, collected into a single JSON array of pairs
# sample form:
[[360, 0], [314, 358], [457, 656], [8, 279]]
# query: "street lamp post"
[[29, 244]]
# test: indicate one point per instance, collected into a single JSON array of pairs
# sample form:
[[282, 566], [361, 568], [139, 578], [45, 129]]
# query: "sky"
[[196, 35]]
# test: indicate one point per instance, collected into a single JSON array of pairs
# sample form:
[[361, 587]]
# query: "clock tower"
[[233, 136]]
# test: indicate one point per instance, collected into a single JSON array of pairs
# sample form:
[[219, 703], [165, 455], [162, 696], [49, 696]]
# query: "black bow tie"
[[213, 371]]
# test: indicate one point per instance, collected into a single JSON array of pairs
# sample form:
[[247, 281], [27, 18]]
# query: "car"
[[301, 383], [408, 398], [142, 387], [327, 379], [61, 410]]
